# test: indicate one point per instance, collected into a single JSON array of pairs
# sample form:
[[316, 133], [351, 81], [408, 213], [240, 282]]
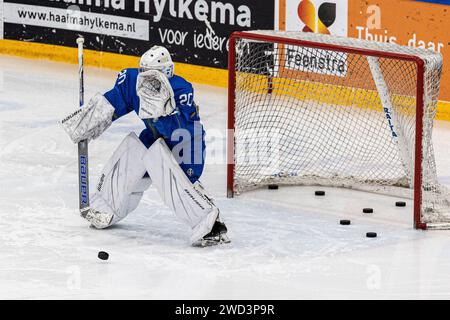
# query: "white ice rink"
[[285, 244]]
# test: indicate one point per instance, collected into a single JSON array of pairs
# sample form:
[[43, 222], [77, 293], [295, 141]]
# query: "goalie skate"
[[218, 235]]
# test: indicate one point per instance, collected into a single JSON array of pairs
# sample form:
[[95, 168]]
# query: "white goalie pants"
[[122, 184]]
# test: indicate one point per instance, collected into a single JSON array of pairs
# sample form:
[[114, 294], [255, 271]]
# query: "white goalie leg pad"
[[138, 193], [121, 184], [177, 191]]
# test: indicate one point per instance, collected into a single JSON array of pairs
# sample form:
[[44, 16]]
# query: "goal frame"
[[418, 157]]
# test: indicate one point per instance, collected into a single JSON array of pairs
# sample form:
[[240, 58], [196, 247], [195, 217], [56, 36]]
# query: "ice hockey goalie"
[[168, 154]]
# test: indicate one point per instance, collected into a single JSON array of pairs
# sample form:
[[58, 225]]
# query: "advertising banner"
[[410, 23], [330, 17], [195, 31], [436, 1], [1, 19], [76, 20]]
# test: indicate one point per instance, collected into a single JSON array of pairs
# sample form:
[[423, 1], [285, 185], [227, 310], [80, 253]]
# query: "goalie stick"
[[83, 168]]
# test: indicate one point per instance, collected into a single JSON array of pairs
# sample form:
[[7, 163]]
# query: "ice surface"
[[286, 243]]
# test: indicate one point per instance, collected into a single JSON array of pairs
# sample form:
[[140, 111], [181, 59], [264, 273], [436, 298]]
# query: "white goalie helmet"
[[157, 58]]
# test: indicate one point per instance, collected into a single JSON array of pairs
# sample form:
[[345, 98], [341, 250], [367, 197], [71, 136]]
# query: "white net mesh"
[[309, 116]]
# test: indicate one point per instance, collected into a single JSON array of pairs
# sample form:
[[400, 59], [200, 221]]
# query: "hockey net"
[[311, 109]]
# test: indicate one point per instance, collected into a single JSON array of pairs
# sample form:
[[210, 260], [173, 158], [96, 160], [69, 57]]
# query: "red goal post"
[[240, 76]]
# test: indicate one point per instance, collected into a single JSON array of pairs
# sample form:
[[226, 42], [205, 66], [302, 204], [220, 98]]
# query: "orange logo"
[[317, 21]]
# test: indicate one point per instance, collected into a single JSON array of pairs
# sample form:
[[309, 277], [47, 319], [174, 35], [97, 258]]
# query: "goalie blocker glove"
[[90, 121]]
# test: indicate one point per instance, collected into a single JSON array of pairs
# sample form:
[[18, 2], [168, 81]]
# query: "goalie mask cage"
[[312, 109]]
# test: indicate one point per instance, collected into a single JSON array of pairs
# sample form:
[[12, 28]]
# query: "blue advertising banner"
[[436, 1]]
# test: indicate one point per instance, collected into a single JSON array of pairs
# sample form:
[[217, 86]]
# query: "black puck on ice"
[[273, 187], [319, 193], [367, 210], [371, 234], [103, 255], [345, 222], [400, 204]]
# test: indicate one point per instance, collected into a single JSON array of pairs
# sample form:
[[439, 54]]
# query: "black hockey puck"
[[428, 209], [345, 222], [273, 187], [371, 234], [103, 255], [367, 210], [319, 193], [400, 204]]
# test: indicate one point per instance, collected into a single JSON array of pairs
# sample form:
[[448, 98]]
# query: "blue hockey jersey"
[[123, 97]]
